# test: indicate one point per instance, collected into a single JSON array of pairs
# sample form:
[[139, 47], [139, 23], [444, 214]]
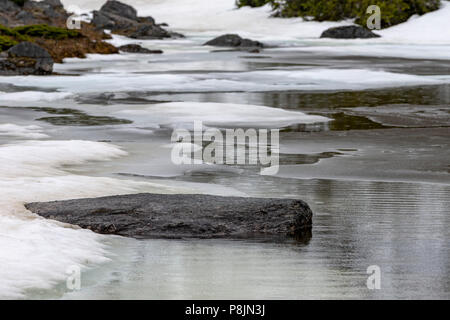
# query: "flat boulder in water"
[[135, 48], [182, 216], [349, 32], [233, 41]]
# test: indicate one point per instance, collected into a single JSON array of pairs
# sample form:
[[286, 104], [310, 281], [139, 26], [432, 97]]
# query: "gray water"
[[400, 227]]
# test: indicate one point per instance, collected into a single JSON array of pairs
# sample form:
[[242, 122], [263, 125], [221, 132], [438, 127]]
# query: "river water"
[[364, 140]]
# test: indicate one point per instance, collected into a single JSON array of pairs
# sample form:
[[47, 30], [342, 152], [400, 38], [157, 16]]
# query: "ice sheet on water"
[[252, 81], [27, 132], [177, 114], [31, 96]]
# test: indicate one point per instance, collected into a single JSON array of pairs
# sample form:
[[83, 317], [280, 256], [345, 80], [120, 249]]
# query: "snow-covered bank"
[[431, 28], [36, 253], [221, 16]]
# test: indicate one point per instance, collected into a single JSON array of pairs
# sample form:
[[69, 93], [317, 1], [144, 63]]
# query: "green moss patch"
[[7, 42], [392, 11], [47, 32], [9, 37]]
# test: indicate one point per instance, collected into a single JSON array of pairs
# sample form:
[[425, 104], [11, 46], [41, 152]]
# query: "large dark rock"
[[8, 6], [119, 9], [182, 216], [349, 32], [122, 19], [50, 12], [135, 48], [234, 41], [26, 58]]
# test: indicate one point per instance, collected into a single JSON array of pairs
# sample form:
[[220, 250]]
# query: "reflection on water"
[[424, 95], [401, 227]]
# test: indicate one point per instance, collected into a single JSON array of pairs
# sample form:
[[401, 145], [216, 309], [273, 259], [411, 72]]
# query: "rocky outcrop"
[[349, 32], [182, 216], [26, 58], [135, 48], [123, 19], [45, 23], [234, 41], [49, 12]]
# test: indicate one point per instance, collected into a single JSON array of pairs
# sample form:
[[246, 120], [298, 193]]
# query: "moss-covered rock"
[[61, 43], [392, 11]]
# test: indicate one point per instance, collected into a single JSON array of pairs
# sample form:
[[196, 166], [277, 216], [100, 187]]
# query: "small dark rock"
[[234, 41], [349, 32], [182, 216], [135, 48], [26, 58]]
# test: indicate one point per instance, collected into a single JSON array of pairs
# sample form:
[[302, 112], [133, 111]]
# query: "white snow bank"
[[35, 253]]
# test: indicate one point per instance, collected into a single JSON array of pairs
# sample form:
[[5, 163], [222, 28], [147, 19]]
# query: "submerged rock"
[[349, 32], [234, 41], [182, 216], [123, 19], [26, 58], [135, 48]]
